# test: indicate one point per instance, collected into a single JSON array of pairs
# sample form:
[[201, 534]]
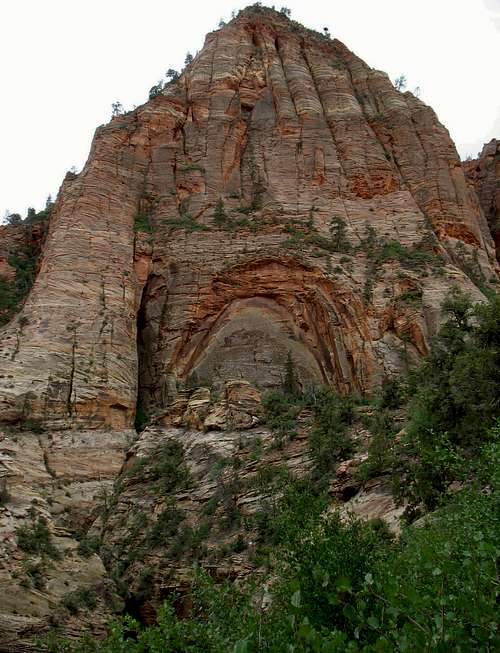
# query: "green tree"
[[155, 90], [456, 400], [338, 235], [400, 83], [220, 216], [14, 219], [116, 110], [172, 76]]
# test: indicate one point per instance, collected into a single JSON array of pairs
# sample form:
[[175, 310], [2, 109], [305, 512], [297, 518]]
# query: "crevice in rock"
[[69, 403], [140, 414]]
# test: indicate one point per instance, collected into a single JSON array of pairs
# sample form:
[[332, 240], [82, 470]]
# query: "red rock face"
[[14, 240], [296, 135], [484, 175]]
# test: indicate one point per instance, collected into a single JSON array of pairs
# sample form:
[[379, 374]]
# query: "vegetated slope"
[[339, 583]]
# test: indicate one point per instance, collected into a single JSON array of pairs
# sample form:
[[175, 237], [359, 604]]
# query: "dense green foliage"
[[332, 415], [186, 222], [456, 400], [12, 293], [395, 251], [329, 440], [349, 587], [141, 419], [8, 300], [337, 242]]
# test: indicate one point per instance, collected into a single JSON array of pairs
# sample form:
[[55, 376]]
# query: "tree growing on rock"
[[156, 90], [220, 215], [117, 109], [400, 83], [172, 75], [338, 235], [13, 218]]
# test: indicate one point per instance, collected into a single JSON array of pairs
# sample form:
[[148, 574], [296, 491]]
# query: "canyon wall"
[[316, 162], [483, 174], [280, 201]]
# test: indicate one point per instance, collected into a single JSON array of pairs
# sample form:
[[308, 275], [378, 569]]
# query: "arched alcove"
[[252, 314]]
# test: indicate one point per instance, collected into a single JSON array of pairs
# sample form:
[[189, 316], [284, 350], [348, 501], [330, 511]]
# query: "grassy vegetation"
[[395, 251], [230, 223], [192, 167], [186, 222]]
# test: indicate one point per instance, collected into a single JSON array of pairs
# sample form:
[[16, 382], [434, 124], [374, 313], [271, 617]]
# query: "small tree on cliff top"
[[400, 83]]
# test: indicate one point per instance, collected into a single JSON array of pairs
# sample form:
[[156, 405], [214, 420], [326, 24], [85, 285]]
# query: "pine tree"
[[400, 83], [338, 235], [172, 75], [155, 90], [116, 109], [220, 216]]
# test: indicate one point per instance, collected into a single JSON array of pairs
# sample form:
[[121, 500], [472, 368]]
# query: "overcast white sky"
[[63, 62]]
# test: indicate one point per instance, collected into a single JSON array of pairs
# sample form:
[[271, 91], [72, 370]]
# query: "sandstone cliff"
[[281, 196], [300, 139], [484, 175]]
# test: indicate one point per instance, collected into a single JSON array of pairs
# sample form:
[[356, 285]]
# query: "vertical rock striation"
[[336, 195]]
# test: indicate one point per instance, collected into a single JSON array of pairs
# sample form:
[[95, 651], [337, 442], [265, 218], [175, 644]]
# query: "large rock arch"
[[252, 314]]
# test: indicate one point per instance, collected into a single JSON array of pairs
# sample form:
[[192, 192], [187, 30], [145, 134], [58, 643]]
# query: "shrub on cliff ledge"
[[220, 215], [36, 538], [142, 224]]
